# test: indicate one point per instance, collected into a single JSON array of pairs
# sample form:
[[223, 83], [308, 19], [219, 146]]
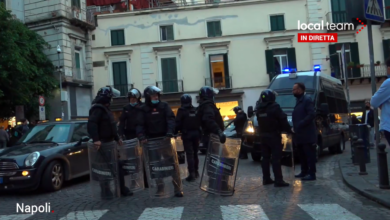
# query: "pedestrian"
[[21, 129], [272, 122], [4, 138], [157, 120], [304, 132], [381, 99], [188, 124], [368, 119], [102, 129], [239, 123]]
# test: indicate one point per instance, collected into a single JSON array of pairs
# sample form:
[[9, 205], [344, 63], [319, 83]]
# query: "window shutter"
[[77, 57], [218, 29], [386, 49], [274, 24], [291, 58], [116, 73], [114, 38], [174, 87], [387, 10], [121, 37], [269, 59], [226, 68], [170, 35], [355, 58], [210, 29], [280, 21], [334, 61]]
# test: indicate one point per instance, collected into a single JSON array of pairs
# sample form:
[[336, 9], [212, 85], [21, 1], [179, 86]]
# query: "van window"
[[287, 100], [287, 83]]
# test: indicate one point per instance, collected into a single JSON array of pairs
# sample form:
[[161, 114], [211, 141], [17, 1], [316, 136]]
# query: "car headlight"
[[32, 159], [249, 128]]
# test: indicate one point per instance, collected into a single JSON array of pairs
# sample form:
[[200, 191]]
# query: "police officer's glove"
[[222, 137]]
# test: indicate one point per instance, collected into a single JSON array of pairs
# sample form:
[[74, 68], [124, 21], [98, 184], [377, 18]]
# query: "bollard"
[[361, 157], [382, 167], [353, 150]]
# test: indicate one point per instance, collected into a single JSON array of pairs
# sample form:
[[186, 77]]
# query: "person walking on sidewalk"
[[304, 132], [368, 119], [381, 99]]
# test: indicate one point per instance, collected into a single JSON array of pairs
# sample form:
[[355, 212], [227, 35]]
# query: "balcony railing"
[[170, 86], [80, 17], [361, 72], [337, 17], [220, 82], [123, 88]]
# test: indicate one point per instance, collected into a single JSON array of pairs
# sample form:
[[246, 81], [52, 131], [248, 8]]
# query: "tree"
[[25, 71]]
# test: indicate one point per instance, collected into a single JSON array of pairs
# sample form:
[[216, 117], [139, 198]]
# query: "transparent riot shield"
[[130, 165], [162, 167], [181, 157], [221, 164], [104, 178], [288, 165]]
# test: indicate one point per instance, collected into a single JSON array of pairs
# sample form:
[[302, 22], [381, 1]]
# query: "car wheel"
[[341, 146], [53, 177], [203, 151], [256, 156]]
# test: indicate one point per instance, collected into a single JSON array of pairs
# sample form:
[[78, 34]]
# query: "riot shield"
[[181, 157], [162, 167], [130, 165], [104, 178], [221, 164], [288, 165]]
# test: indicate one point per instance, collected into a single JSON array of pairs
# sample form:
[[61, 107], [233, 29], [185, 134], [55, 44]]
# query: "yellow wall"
[[226, 109]]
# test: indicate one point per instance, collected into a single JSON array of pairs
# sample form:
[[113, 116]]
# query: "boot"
[[191, 177], [281, 184], [268, 181], [196, 174], [160, 190], [126, 192]]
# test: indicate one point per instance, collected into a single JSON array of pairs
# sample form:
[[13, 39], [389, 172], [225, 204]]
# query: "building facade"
[[17, 8], [65, 24]]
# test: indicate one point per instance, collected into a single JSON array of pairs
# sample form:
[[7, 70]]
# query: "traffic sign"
[[373, 10], [41, 101], [42, 113]]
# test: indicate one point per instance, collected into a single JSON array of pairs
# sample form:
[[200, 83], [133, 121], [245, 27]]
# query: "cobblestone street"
[[325, 199]]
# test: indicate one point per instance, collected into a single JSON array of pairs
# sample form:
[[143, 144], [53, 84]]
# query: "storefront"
[[226, 109]]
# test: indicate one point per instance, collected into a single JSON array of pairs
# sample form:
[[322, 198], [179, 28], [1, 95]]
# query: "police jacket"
[[128, 120], [272, 120], [210, 117], [101, 124], [239, 122], [155, 120], [186, 120]]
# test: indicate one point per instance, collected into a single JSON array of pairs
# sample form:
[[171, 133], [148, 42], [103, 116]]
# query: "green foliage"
[[25, 70]]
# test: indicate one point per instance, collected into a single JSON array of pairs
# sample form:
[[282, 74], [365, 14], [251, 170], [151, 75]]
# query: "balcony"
[[123, 88], [363, 72], [78, 76], [79, 18], [220, 82], [170, 86]]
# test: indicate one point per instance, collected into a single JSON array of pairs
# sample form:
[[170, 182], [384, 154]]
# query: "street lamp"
[[60, 73]]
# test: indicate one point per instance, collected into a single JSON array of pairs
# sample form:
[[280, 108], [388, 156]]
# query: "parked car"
[[229, 132], [45, 157]]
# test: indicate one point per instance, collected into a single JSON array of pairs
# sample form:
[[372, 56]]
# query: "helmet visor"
[[134, 93], [115, 92], [154, 90]]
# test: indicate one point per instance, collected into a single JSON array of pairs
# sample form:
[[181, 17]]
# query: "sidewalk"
[[366, 185]]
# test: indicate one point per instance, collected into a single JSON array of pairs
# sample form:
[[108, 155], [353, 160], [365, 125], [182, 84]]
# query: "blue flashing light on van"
[[317, 67]]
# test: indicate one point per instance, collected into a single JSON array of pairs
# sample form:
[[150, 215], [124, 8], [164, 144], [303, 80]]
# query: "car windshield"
[[58, 133], [287, 100], [288, 83]]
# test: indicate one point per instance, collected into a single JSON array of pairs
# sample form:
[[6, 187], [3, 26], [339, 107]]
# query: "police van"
[[330, 106]]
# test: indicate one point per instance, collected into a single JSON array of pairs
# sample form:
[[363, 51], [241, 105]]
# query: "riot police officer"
[[272, 122], [130, 114], [102, 129], [188, 124], [239, 123], [209, 115], [157, 120]]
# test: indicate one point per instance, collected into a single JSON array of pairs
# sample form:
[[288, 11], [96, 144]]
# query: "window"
[[117, 37], [214, 29], [288, 83], [339, 12], [78, 69], [169, 75], [280, 59], [166, 33], [79, 131], [352, 55], [347, 56], [387, 10], [219, 72], [119, 71], [277, 23], [57, 133], [76, 3]]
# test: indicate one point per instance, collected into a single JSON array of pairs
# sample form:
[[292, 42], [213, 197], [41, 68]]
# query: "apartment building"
[[17, 8]]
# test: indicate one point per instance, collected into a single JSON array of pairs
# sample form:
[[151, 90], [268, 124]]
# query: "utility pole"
[[60, 73]]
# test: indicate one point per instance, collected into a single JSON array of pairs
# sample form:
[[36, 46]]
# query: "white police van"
[[331, 109]]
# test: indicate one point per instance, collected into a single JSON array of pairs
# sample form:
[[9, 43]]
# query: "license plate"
[[1, 180]]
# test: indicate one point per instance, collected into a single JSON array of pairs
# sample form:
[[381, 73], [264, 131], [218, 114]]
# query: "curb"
[[363, 193]]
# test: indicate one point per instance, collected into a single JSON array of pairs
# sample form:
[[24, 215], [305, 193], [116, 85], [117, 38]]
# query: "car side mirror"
[[84, 139], [324, 108], [250, 111]]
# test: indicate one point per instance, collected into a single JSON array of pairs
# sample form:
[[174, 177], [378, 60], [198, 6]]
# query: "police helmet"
[[236, 109], [149, 91], [105, 95], [186, 100], [268, 95], [207, 92], [134, 93]]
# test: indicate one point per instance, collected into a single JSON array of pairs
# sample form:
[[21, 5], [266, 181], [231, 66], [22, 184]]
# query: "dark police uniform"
[[157, 120], [102, 127], [188, 123], [272, 122], [239, 123], [130, 115]]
